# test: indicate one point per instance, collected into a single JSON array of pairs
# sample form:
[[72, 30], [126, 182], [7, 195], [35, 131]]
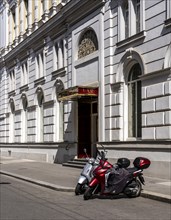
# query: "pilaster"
[[30, 3], [36, 14], [21, 19], [54, 4], [16, 23]]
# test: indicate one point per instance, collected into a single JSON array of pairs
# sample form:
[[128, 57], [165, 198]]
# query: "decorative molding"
[[39, 81], [59, 73], [141, 145], [158, 73], [24, 88], [11, 93], [3, 116], [88, 44], [129, 40], [117, 87], [32, 108], [68, 15], [167, 23], [48, 103]]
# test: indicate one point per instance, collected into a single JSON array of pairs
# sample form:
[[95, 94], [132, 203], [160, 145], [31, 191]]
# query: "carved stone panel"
[[88, 44]]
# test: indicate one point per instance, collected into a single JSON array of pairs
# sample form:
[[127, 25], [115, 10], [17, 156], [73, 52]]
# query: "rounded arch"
[[130, 63], [39, 97], [24, 101], [58, 111], [167, 60], [39, 100], [11, 105], [130, 58], [87, 43], [11, 108], [58, 87]]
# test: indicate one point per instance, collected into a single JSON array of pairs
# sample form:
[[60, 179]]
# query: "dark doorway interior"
[[87, 127], [84, 129]]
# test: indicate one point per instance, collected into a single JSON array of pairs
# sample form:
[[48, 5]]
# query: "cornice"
[[69, 14], [162, 72]]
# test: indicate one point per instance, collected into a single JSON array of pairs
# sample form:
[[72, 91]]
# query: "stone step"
[[76, 163]]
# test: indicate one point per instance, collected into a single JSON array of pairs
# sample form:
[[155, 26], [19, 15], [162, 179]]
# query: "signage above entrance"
[[77, 92]]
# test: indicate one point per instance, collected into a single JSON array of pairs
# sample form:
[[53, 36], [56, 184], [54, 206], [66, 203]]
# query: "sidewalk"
[[60, 178]]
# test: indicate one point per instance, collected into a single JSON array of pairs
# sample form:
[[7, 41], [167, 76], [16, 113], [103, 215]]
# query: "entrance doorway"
[[87, 126]]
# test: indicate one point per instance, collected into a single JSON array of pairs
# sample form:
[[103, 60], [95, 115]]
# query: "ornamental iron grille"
[[88, 44]]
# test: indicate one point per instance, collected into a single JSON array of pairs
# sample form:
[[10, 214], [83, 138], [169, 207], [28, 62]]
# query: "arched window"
[[87, 44], [40, 114], [11, 120], [59, 113], [134, 102], [24, 118], [126, 18]]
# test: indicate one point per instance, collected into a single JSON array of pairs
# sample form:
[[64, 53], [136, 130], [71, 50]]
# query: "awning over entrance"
[[77, 92]]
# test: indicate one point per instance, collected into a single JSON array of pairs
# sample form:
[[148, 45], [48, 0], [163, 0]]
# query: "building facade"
[[76, 74]]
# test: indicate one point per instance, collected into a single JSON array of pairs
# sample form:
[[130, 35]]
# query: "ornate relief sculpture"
[[88, 44]]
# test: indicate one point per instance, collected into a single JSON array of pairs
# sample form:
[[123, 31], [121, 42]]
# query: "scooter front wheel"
[[79, 189], [88, 193]]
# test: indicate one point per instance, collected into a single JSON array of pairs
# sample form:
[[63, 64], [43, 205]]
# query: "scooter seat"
[[132, 169]]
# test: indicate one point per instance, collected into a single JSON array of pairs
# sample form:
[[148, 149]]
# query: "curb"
[[146, 194], [156, 196], [40, 183]]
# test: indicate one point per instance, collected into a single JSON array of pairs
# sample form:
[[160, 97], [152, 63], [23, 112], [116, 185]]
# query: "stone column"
[[16, 23], [46, 10], [10, 28], [30, 2], [36, 14], [21, 19], [54, 4]]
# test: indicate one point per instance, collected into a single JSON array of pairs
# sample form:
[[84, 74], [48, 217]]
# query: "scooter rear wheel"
[[88, 193], [138, 189]]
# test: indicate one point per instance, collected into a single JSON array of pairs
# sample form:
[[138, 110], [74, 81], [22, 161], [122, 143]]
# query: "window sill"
[[134, 139], [87, 58], [59, 73], [141, 35], [11, 93], [24, 88], [39, 81], [167, 23]]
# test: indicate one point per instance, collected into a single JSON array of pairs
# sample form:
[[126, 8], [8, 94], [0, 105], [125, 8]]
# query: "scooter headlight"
[[91, 160]]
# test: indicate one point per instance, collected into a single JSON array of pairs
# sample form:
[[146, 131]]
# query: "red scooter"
[[113, 180]]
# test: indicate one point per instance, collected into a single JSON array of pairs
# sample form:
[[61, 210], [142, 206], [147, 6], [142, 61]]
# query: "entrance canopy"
[[77, 92]]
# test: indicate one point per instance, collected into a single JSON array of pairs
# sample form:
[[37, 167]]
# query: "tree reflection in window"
[[87, 44]]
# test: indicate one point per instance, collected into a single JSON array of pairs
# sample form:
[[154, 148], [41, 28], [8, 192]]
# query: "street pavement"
[[60, 178]]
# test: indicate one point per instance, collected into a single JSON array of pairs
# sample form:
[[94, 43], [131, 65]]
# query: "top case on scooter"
[[123, 162], [141, 163]]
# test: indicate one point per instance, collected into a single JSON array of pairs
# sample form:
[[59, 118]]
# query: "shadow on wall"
[[65, 152], [68, 149]]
